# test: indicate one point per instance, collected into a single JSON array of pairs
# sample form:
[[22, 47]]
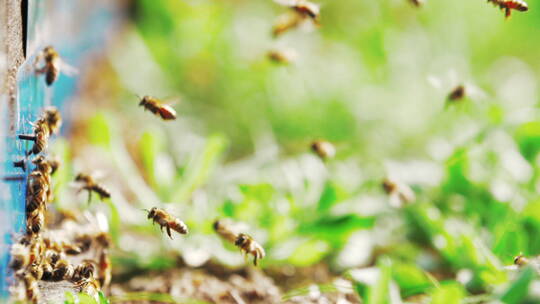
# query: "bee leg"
[[169, 231], [255, 260], [89, 196], [507, 13]]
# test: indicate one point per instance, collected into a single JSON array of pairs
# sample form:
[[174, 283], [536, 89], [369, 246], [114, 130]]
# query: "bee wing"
[[67, 69], [167, 112]]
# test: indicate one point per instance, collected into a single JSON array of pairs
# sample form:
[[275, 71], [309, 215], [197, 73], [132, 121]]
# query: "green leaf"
[[410, 279], [518, 290], [99, 130], [199, 169], [528, 139], [332, 194], [103, 299], [70, 299], [309, 253], [448, 293], [150, 145], [380, 292], [86, 299], [336, 229], [114, 221]]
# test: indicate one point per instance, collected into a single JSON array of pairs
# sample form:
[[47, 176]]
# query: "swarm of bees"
[[157, 107], [400, 194], [509, 5], [166, 220], [226, 229], [89, 184]]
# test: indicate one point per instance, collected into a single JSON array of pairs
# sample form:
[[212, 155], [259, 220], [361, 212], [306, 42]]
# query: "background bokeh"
[[373, 79]]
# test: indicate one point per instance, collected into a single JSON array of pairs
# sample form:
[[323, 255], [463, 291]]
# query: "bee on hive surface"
[[31, 287], [89, 184], [509, 5], [84, 270], [105, 268], [323, 149], [166, 220], [62, 270], [157, 107], [36, 191], [52, 65], [20, 257], [249, 246], [35, 221]]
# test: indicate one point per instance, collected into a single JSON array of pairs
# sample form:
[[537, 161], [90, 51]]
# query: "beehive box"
[[78, 30]]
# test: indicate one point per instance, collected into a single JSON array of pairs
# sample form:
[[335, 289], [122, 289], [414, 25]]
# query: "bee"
[[90, 185], [36, 271], [40, 137], [89, 286], [51, 67], [36, 191], [399, 193], [20, 257], [46, 169], [103, 239], [225, 229], [32, 290], [323, 149], [62, 270], [457, 94], [35, 221], [285, 23], [280, 57], [164, 219], [307, 9], [509, 5], [155, 106], [36, 248], [85, 270], [417, 3], [104, 273], [53, 119], [249, 246], [521, 260], [55, 164]]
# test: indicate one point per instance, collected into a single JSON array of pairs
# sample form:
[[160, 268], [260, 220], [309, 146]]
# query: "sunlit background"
[[373, 79]]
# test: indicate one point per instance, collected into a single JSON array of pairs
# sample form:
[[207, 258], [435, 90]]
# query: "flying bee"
[[281, 57], [249, 246], [323, 149], [104, 273], [155, 106], [226, 229], [51, 67], [509, 5], [53, 119], [32, 290], [457, 94], [521, 260], [164, 219], [20, 257], [52, 64], [90, 185], [399, 193], [417, 3], [307, 9], [285, 23]]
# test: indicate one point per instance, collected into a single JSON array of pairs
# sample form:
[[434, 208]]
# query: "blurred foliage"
[[373, 79]]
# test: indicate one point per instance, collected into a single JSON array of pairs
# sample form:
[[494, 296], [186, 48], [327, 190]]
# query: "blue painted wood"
[[75, 29]]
